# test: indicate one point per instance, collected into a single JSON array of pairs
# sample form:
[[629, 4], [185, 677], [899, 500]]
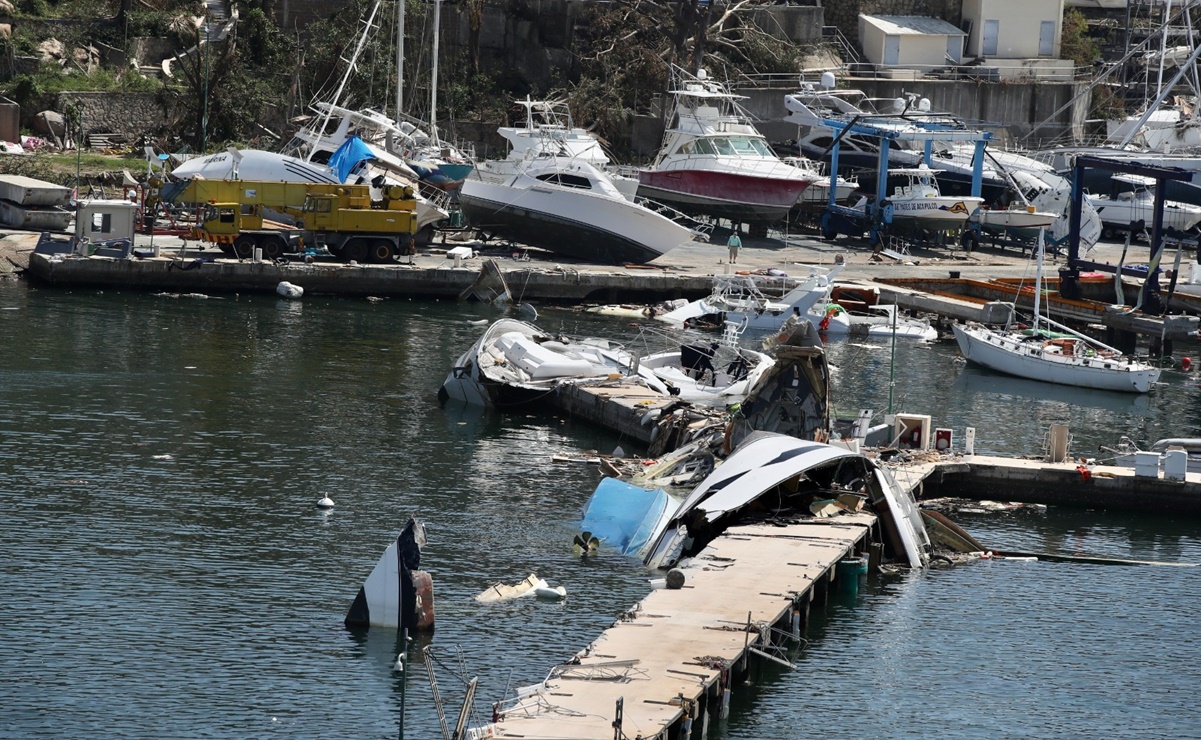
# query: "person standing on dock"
[[735, 243]]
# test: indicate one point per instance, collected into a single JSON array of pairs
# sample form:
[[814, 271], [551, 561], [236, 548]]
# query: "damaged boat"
[[515, 363], [772, 476], [397, 594]]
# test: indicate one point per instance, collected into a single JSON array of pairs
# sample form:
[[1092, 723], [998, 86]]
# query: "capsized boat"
[[573, 209], [880, 321], [714, 162], [710, 374], [396, 594], [625, 516], [1039, 353], [791, 474]]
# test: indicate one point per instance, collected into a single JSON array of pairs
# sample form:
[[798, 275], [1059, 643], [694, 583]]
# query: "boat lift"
[[842, 219], [1069, 285]]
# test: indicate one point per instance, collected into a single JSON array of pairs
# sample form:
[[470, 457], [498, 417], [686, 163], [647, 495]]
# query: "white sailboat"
[[1062, 356]]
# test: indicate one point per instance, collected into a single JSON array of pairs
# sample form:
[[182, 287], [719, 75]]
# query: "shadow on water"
[[973, 380]]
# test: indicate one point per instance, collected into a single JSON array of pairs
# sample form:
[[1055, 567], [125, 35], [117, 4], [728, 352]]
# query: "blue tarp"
[[624, 516], [352, 151]]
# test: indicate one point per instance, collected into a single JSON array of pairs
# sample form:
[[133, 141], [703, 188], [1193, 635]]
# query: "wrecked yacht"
[[515, 363], [772, 475]]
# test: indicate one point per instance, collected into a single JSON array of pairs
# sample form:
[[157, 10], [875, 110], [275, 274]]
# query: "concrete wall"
[[794, 23], [1020, 25]]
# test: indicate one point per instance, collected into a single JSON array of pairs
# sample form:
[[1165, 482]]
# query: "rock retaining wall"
[[131, 114]]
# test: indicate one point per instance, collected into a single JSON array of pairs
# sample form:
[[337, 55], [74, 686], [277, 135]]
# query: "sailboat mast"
[[350, 69], [434, 72], [1038, 281], [1163, 44], [400, 55]]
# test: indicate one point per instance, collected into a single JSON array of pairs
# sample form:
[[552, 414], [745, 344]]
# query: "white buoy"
[[399, 665], [325, 503], [288, 290]]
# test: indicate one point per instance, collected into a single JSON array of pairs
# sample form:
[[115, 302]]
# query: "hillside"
[[251, 83]]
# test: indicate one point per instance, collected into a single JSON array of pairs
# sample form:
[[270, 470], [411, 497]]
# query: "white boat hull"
[[574, 223], [1009, 354], [940, 213]]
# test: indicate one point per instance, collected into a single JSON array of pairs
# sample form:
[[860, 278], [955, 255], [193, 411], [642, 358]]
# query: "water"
[[167, 575]]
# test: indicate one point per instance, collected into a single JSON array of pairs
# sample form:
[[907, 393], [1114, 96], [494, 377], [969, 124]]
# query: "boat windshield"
[[730, 146]]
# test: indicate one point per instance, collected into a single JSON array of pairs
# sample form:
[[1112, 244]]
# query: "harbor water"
[[166, 572]]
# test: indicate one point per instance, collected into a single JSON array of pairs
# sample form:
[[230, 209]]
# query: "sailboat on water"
[[1052, 352]]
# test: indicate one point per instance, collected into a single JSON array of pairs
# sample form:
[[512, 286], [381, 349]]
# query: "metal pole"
[[400, 54], [892, 360], [434, 74]]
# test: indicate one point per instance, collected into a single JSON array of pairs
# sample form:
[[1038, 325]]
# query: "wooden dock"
[[971, 300], [981, 477], [667, 666], [625, 406]]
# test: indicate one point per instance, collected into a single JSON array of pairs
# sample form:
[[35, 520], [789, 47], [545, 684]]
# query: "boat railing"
[[694, 225]]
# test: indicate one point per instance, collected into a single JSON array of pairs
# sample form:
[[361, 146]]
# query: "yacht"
[[571, 208], [549, 130], [920, 204], [714, 162], [1130, 208]]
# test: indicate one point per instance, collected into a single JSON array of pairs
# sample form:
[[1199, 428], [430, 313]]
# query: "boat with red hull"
[[714, 162]]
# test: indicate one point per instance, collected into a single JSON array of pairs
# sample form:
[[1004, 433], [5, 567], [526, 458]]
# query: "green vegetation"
[[249, 88], [1075, 43]]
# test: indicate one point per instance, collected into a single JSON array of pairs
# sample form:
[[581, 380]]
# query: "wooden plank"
[[676, 642]]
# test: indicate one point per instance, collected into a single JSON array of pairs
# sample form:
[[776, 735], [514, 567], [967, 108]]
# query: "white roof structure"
[[912, 25]]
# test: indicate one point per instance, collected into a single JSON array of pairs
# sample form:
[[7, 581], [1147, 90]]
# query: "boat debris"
[[532, 585], [289, 290], [381, 602]]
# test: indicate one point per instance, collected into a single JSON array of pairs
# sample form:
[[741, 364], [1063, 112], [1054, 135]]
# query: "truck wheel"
[[273, 247], [226, 249], [355, 250], [244, 247], [383, 251]]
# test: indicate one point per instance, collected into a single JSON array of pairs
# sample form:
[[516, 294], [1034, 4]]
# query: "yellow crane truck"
[[341, 218]]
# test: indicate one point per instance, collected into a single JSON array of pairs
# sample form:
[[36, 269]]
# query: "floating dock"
[[983, 478], [667, 667]]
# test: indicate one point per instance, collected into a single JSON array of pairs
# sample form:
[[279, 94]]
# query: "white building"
[[906, 42], [1021, 38]]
